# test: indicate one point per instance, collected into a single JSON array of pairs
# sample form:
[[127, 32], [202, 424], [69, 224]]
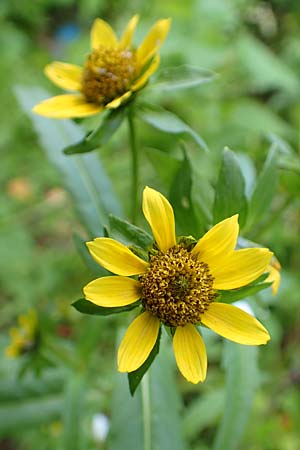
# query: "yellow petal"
[[240, 268], [147, 74], [118, 101], [126, 39], [274, 277], [116, 257], [12, 351], [66, 76], [220, 240], [153, 40], [102, 34], [66, 106], [234, 324], [112, 291], [160, 216], [190, 353], [138, 342]]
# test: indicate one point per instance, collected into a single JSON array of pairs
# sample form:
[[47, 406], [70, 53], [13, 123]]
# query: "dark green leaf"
[[181, 77], [82, 249], [136, 376], [230, 197], [168, 122], [264, 189], [101, 135], [83, 175], [85, 307], [238, 294], [242, 379], [181, 200], [128, 234]]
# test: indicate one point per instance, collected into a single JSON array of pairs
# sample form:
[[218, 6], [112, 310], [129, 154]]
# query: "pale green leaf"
[[181, 77], [168, 122], [83, 175], [230, 197], [241, 382]]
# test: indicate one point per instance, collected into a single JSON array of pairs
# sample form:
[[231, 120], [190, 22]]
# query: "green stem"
[[146, 411], [134, 167]]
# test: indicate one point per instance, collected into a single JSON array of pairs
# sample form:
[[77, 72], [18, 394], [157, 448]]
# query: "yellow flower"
[[178, 287], [113, 71], [22, 337], [274, 275]]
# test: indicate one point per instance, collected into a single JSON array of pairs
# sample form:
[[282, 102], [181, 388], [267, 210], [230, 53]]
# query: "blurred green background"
[[253, 46]]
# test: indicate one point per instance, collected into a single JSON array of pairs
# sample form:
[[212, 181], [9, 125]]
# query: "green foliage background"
[[253, 103]]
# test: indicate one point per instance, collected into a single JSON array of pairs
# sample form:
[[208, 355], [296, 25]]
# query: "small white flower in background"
[[100, 427]]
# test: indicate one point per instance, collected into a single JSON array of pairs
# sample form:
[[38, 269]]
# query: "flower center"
[[108, 73], [177, 288]]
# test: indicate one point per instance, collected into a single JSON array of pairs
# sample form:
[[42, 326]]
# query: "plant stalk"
[[146, 411], [134, 167]]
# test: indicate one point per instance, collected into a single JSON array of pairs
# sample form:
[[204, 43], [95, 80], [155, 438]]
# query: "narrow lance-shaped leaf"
[[83, 175], [168, 122], [230, 197], [136, 376], [181, 77], [181, 200], [242, 377], [264, 189], [238, 294], [86, 307], [128, 234], [73, 412], [101, 135], [90, 263]]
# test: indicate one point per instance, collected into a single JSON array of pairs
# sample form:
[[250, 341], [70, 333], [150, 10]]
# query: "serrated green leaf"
[[83, 175], [128, 234], [181, 200], [168, 122], [264, 189], [136, 376], [181, 77], [85, 307], [230, 197], [101, 135], [242, 379]]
